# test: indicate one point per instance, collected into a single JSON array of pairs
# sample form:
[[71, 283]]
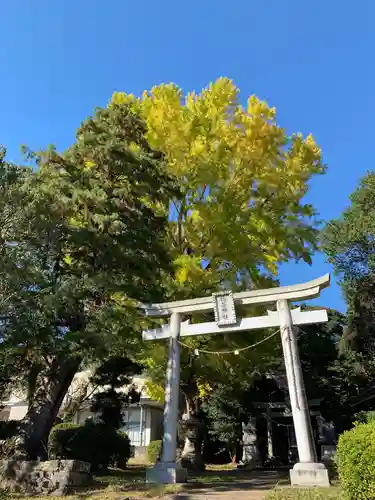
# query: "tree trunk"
[[50, 392]]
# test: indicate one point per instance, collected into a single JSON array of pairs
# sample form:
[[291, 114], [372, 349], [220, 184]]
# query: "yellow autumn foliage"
[[243, 178], [241, 209]]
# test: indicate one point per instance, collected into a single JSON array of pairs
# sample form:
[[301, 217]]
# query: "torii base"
[[166, 473], [309, 475]]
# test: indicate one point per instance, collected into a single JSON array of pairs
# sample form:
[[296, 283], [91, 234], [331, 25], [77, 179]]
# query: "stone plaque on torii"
[[307, 472]]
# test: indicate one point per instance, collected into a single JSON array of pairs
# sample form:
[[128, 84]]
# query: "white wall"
[[17, 412], [150, 426], [132, 425]]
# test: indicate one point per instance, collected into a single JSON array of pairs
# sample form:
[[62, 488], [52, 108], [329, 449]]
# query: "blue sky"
[[312, 60]]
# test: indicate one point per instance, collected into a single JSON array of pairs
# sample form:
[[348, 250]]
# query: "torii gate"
[[307, 472]]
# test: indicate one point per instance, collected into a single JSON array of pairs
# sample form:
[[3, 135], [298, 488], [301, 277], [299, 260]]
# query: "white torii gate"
[[307, 472]]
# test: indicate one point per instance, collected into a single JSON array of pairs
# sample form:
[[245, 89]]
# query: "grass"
[[132, 482], [334, 493], [118, 484], [128, 483]]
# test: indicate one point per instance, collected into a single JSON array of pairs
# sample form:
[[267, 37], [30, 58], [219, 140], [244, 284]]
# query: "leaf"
[[68, 259]]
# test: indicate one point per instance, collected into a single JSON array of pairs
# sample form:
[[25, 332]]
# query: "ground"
[[217, 483]]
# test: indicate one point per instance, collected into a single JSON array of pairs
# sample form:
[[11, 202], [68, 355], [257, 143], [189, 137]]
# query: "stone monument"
[[191, 458]]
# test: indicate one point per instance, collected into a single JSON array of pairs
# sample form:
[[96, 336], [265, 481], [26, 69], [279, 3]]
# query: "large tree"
[[240, 211], [11, 177], [349, 242], [84, 242]]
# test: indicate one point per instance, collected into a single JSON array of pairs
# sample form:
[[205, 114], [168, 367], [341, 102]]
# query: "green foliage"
[[305, 494], [242, 181], [318, 351], [60, 440], [349, 243], [11, 178], [123, 450], [230, 401], [365, 417], [326, 375], [239, 214], [89, 242], [115, 372], [9, 428], [91, 442], [153, 451], [348, 240], [82, 243], [356, 461], [226, 407]]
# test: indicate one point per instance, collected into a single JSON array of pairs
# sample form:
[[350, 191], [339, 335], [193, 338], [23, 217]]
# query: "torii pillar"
[[307, 472]]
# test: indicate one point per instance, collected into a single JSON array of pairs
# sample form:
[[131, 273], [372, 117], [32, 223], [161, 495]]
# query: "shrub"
[[153, 451], [8, 432], [8, 429], [61, 442], [364, 417], [7, 448], [91, 442], [121, 450], [356, 461]]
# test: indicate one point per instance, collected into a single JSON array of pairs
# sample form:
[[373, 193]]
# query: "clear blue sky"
[[313, 60]]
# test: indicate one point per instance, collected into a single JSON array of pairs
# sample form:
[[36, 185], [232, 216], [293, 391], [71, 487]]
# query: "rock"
[[52, 477]]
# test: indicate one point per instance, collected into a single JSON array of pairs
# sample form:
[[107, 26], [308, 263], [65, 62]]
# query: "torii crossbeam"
[[307, 472]]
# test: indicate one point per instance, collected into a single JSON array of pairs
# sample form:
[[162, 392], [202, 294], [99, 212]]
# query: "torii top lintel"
[[294, 293]]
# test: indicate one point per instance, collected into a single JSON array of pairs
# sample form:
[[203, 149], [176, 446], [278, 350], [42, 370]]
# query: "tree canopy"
[[161, 197], [349, 243], [240, 211], [84, 241]]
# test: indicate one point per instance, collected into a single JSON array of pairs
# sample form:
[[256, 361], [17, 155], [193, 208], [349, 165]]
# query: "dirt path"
[[252, 486]]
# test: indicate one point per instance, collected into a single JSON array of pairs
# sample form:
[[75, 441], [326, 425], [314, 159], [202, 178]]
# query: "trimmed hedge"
[[356, 461], [62, 440], [92, 442], [153, 451]]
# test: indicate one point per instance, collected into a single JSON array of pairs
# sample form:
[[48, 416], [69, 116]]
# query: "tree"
[[349, 243], [114, 373], [12, 359], [318, 350], [85, 242], [225, 409], [240, 211], [230, 406], [242, 180]]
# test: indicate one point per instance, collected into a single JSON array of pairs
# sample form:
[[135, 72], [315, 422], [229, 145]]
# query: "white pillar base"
[[166, 473], [309, 475]]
